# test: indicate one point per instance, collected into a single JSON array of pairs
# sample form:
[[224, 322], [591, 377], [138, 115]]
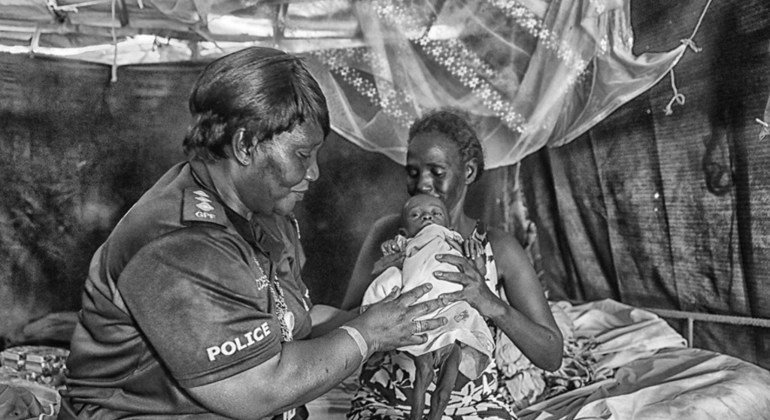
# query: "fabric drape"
[[530, 74]]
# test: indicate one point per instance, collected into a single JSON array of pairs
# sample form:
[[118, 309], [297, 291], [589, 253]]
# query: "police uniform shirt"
[[179, 296]]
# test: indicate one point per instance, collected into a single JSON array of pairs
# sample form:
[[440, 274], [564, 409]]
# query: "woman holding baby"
[[444, 158]]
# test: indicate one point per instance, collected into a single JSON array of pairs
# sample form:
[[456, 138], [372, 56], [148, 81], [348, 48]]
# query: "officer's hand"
[[390, 323]]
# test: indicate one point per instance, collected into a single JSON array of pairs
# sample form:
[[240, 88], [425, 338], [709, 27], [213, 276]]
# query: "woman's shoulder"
[[505, 246]]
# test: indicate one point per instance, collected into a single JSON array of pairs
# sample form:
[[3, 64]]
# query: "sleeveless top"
[[386, 387]]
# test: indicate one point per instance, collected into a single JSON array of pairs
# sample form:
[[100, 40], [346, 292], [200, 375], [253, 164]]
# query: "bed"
[[620, 362]]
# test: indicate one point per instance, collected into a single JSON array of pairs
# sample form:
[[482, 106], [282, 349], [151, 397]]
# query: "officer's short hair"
[[261, 90]]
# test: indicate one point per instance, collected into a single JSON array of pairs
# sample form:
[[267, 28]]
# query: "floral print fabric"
[[386, 388]]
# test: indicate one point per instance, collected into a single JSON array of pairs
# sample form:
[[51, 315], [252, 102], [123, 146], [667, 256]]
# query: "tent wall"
[[77, 151], [672, 211]]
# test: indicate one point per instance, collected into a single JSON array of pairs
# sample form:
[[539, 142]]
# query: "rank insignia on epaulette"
[[199, 206]]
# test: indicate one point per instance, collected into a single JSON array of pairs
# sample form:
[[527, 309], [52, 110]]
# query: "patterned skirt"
[[386, 389]]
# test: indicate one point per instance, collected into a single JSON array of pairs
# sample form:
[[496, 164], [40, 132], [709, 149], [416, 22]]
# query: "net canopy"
[[529, 73]]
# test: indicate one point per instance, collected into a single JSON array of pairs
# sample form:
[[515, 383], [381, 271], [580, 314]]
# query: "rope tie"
[[35, 42], [765, 131], [688, 43], [678, 97]]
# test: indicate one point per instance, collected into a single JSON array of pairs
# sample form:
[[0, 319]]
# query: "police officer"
[[194, 306]]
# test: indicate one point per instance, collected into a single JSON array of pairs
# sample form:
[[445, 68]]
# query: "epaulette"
[[198, 205]]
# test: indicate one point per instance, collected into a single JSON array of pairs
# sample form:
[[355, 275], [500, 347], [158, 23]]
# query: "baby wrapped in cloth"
[[464, 324]]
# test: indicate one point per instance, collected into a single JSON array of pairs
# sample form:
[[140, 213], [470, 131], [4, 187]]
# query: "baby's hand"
[[472, 248], [474, 251], [393, 246], [393, 254]]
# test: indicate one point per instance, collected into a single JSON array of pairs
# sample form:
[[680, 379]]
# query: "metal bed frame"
[[691, 317]]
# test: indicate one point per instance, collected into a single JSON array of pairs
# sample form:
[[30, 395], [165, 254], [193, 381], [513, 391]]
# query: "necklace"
[[276, 292]]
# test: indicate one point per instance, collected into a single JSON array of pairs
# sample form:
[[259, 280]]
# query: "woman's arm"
[[306, 369], [526, 318], [382, 230]]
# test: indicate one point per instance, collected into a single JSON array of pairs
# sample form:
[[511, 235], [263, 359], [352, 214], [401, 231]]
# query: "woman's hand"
[[390, 323], [473, 250], [475, 290]]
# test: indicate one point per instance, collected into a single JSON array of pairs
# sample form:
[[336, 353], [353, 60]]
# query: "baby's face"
[[422, 210]]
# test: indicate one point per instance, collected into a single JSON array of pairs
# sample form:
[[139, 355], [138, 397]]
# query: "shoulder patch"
[[200, 205]]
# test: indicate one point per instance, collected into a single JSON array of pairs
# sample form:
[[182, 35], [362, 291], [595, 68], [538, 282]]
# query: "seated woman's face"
[[281, 171], [434, 167]]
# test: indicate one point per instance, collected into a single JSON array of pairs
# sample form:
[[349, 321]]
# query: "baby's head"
[[422, 210]]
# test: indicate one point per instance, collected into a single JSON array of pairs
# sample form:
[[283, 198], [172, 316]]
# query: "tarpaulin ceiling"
[[530, 73]]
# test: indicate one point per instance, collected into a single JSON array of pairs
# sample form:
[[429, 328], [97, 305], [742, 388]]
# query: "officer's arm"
[[186, 291], [304, 370], [301, 372]]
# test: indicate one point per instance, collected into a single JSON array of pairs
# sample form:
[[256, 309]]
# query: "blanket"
[[620, 362]]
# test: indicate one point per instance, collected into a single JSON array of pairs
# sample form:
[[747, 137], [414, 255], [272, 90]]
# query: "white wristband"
[[359, 339]]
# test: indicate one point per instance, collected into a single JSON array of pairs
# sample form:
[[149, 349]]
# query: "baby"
[[464, 345]]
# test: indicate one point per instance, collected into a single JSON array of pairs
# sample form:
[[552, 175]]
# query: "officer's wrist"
[[358, 338]]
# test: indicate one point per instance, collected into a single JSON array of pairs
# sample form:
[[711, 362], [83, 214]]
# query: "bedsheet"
[[675, 383], [648, 372], [621, 333]]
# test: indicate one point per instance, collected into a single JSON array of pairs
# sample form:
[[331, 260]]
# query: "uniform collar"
[[203, 176]]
